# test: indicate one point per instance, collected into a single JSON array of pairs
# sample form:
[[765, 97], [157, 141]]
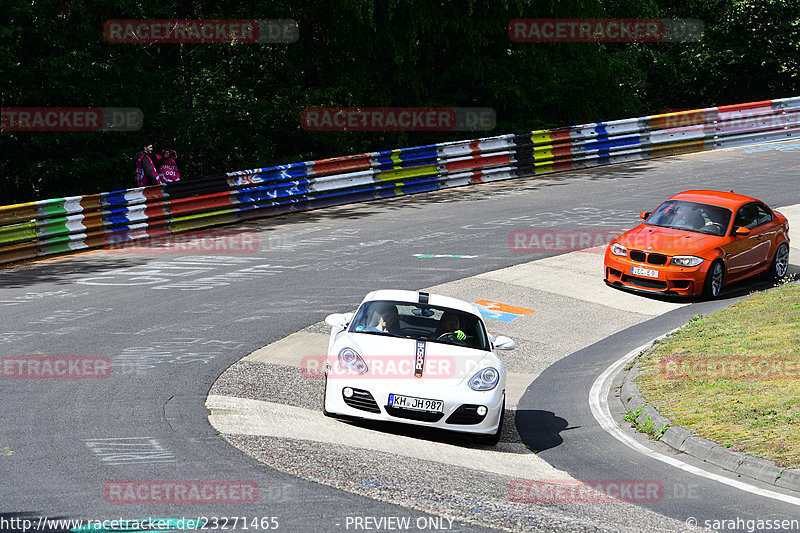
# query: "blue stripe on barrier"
[[117, 216], [114, 198], [257, 194], [606, 144], [427, 153]]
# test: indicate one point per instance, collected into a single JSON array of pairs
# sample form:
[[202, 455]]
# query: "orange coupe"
[[698, 241]]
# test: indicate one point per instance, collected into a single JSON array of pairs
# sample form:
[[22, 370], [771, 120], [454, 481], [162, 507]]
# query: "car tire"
[[780, 262], [712, 286], [494, 438]]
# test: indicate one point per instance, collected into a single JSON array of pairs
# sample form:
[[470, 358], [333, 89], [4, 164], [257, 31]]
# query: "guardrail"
[[61, 225]]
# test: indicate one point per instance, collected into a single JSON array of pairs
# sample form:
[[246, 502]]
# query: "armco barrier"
[[65, 224]]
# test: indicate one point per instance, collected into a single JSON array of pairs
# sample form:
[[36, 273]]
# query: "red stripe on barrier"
[[563, 165], [342, 164], [742, 107], [561, 135], [562, 151], [479, 161], [183, 206]]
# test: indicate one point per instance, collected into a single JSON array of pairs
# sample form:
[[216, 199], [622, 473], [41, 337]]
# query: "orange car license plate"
[[639, 271]]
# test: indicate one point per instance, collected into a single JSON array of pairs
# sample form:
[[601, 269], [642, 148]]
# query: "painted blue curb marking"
[[498, 315]]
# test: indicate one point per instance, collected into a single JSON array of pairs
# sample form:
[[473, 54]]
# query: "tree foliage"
[[237, 106]]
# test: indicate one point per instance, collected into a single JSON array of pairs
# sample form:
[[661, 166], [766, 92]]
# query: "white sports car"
[[417, 358]]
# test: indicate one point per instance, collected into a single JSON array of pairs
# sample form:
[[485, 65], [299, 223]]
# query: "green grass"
[[645, 427], [734, 377]]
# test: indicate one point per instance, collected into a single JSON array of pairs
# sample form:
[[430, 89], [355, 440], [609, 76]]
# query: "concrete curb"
[[682, 440]]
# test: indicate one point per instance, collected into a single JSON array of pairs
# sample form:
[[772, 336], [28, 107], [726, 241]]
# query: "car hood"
[[394, 358], [667, 241]]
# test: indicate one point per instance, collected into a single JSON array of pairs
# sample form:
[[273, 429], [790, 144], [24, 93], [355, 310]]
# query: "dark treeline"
[[237, 106]]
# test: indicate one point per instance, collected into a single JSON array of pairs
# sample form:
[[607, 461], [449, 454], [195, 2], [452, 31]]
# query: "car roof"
[[414, 297], [730, 199]]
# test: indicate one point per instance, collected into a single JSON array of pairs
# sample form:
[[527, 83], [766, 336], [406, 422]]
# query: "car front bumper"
[[371, 397], [672, 280]]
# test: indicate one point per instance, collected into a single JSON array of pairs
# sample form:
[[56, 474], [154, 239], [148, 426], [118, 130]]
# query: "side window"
[[747, 216], [764, 215]]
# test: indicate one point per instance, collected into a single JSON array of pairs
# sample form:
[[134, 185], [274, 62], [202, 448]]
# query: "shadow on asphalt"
[[541, 430], [443, 436], [63, 270], [457, 194]]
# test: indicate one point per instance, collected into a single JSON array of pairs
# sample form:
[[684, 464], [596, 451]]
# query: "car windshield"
[[421, 321], [691, 216]]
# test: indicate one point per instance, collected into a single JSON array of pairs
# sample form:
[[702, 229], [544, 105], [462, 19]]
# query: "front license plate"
[[639, 271], [416, 404]]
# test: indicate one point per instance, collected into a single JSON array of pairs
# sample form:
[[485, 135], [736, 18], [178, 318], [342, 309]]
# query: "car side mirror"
[[338, 320], [644, 214], [741, 231], [504, 343]]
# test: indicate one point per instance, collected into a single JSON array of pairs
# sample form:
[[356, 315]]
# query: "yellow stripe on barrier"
[[402, 173], [541, 137]]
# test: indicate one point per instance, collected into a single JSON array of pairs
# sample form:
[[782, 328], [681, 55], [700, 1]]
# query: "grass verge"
[[734, 377]]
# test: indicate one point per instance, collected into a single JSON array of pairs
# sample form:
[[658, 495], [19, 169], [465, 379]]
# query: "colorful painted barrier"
[[66, 224]]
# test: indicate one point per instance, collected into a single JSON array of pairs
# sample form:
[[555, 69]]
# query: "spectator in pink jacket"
[[168, 164]]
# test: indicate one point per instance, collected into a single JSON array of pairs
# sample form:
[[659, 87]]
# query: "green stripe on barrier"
[[52, 208]]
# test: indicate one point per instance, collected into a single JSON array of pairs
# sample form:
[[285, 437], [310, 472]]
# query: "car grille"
[[638, 256], [362, 400], [652, 259], [413, 415], [466, 415], [644, 282]]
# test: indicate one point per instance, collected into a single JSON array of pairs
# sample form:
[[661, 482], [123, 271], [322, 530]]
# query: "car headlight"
[[351, 361], [486, 379], [618, 249], [686, 260]]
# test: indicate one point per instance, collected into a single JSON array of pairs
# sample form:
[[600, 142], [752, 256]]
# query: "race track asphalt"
[[171, 323]]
